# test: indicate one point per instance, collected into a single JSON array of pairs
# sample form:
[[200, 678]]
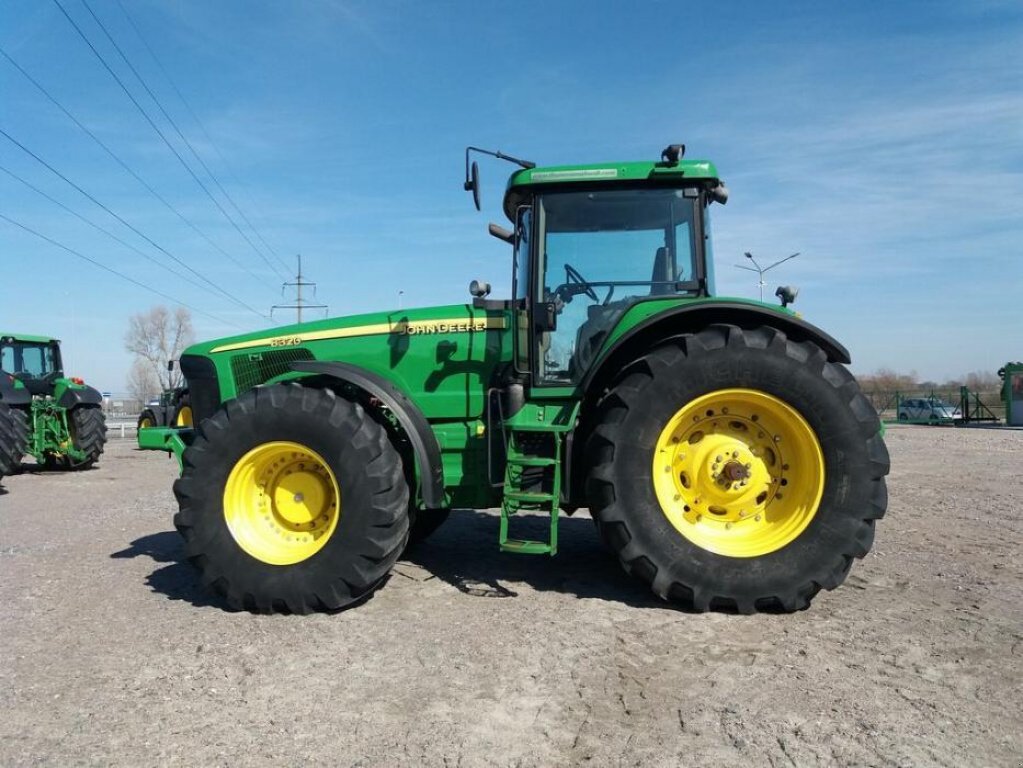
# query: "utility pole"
[[761, 270], [300, 301]]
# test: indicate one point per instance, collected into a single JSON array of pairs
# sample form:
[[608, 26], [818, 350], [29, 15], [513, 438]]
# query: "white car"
[[928, 409]]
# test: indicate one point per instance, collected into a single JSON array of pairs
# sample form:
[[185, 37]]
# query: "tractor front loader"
[[57, 420], [724, 451]]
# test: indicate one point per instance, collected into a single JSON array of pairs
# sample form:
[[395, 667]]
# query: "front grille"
[[250, 370], [203, 387]]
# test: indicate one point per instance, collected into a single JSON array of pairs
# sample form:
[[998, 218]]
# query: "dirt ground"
[[112, 654]]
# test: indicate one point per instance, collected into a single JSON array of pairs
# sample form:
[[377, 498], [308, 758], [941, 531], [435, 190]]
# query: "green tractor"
[[726, 455], [172, 409], [57, 420]]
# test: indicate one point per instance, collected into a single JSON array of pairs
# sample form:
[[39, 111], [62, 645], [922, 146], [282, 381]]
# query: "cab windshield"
[[602, 251], [28, 359]]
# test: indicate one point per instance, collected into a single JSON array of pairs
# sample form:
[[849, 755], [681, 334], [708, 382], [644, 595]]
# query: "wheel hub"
[[725, 482], [281, 503]]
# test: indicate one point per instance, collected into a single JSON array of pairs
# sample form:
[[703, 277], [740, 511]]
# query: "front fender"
[[412, 420]]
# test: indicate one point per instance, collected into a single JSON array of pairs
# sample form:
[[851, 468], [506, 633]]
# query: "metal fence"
[[973, 406], [122, 429]]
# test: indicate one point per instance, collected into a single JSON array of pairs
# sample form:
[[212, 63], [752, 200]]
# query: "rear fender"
[[73, 397], [690, 318], [13, 393], [658, 328]]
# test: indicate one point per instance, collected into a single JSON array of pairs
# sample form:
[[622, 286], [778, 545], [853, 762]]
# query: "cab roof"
[[600, 174], [5, 336]]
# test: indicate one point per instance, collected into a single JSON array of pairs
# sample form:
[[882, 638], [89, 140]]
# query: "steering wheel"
[[572, 276]]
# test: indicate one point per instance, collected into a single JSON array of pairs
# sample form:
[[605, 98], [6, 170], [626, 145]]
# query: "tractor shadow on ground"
[[178, 580], [463, 553]]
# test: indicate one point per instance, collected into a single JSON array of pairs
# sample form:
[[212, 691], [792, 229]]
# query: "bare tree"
[[143, 385], [155, 337], [887, 380], [983, 381]]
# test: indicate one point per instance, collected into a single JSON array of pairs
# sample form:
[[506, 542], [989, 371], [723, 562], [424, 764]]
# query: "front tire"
[[738, 470], [148, 419], [292, 499]]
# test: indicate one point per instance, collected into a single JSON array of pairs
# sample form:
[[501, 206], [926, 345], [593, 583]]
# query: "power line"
[[125, 166], [205, 133], [177, 130], [106, 232], [105, 268], [138, 232], [156, 128]]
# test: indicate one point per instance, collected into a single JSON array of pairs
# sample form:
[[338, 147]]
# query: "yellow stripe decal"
[[405, 327]]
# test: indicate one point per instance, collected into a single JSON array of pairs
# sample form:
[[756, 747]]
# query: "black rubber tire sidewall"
[[373, 526], [424, 523], [88, 427], [148, 414], [11, 441]]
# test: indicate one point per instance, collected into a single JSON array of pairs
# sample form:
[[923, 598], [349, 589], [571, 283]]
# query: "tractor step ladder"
[[522, 431]]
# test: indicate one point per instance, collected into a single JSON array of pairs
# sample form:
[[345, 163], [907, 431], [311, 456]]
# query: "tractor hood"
[[450, 319], [440, 357]]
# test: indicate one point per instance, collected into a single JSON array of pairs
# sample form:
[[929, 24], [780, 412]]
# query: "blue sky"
[[883, 141]]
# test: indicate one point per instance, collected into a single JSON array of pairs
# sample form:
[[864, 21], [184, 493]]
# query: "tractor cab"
[[590, 242], [33, 360]]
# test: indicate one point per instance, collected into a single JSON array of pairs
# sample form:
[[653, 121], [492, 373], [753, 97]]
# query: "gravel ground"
[[112, 654]]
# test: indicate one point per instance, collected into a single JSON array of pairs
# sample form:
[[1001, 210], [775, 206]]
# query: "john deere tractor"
[[57, 420], [173, 409], [725, 453]]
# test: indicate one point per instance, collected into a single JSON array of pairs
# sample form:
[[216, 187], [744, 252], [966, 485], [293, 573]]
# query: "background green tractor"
[[57, 420], [726, 455], [172, 409]]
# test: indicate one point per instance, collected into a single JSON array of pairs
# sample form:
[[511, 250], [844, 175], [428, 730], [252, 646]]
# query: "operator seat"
[[661, 276]]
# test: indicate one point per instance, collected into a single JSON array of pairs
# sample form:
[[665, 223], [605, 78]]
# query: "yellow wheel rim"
[[145, 423], [282, 503], [183, 417], [738, 472]]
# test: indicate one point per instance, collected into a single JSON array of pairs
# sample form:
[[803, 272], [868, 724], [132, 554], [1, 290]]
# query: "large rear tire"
[[88, 428], [292, 499], [737, 470], [13, 439], [424, 523]]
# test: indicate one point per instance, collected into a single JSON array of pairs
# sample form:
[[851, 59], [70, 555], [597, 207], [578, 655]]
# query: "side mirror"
[[719, 194], [472, 183], [479, 289], [501, 233], [787, 294]]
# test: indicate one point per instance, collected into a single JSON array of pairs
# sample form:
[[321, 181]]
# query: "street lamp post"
[[761, 270]]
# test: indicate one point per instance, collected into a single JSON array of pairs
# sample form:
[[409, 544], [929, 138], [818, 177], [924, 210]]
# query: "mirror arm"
[[501, 233]]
